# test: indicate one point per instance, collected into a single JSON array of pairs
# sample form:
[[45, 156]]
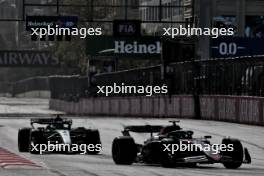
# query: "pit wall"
[[248, 110]]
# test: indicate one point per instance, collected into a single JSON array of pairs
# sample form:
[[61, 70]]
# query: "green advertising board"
[[142, 47]]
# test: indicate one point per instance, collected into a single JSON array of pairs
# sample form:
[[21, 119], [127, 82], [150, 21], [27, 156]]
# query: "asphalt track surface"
[[102, 165]]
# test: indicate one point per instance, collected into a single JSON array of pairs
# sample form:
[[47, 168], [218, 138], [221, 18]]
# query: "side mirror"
[[207, 137]]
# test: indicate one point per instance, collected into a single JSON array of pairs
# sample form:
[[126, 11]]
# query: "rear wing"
[[48, 121], [143, 128]]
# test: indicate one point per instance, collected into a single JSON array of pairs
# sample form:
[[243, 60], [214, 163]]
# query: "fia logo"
[[128, 28]]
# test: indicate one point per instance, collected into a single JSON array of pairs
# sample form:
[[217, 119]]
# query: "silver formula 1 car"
[[161, 147], [57, 131]]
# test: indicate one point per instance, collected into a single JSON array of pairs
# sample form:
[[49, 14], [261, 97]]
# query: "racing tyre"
[[167, 160], [36, 139], [124, 150], [24, 140], [236, 155], [93, 137]]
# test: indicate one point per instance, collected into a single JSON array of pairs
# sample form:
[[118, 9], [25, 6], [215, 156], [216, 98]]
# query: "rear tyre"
[[167, 160], [24, 140], [93, 137], [236, 155], [124, 150]]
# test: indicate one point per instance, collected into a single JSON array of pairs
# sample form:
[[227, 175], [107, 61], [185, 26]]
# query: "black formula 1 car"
[[161, 148], [58, 131]]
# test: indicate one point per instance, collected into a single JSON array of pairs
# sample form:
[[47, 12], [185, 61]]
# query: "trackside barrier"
[[248, 110], [128, 106], [6, 89], [35, 87], [32, 87]]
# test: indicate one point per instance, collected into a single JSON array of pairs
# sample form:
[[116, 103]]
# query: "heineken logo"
[[144, 47], [123, 47]]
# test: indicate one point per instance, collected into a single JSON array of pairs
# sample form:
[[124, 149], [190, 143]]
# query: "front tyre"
[[24, 140], [235, 157], [93, 137], [167, 160], [37, 139], [124, 150]]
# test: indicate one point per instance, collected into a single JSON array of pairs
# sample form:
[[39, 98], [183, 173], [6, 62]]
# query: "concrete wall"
[[5, 95], [34, 94], [247, 110], [36, 87], [6, 89]]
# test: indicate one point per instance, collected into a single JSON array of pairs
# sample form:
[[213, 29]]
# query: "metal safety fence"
[[231, 76]]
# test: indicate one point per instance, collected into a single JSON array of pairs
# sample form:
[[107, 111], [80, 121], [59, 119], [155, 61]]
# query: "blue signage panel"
[[68, 21], [236, 46], [52, 21]]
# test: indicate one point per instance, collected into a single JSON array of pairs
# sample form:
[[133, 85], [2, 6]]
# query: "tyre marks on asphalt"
[[11, 160]]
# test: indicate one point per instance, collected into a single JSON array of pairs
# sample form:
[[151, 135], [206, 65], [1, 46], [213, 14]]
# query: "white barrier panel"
[[173, 106], [227, 109], [159, 106], [124, 107], [91, 107], [249, 110], [162, 107], [156, 104], [105, 106], [98, 106], [82, 106], [187, 106], [135, 103], [114, 110], [224, 108], [147, 106], [77, 108], [207, 107], [71, 105], [34, 94]]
